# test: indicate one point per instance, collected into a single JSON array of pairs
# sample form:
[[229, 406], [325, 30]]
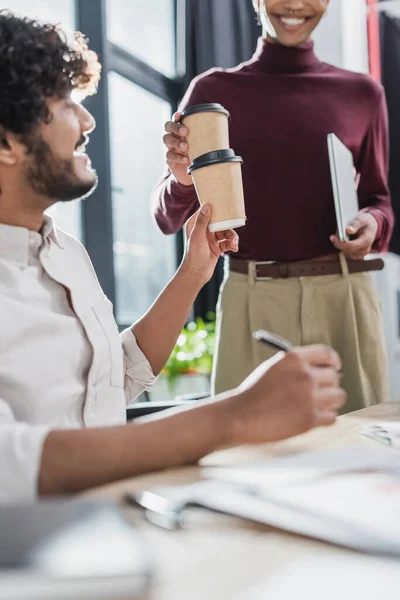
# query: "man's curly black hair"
[[39, 61]]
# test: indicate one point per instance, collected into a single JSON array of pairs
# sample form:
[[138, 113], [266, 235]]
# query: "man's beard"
[[55, 178]]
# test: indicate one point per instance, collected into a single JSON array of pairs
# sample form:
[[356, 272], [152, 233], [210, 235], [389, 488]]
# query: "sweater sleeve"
[[374, 194], [172, 202]]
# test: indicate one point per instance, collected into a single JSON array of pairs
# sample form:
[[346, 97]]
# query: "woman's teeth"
[[292, 22]]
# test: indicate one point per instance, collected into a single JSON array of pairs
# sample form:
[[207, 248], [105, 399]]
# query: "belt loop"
[[252, 273], [344, 265]]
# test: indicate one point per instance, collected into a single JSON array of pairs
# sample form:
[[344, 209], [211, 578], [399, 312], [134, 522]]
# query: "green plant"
[[194, 351]]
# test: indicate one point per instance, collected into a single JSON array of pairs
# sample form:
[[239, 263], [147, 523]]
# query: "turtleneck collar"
[[276, 58]]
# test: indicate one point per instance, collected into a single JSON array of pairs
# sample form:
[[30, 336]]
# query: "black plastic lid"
[[199, 108], [214, 158]]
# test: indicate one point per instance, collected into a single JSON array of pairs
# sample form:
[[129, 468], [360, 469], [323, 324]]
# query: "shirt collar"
[[48, 231], [16, 243]]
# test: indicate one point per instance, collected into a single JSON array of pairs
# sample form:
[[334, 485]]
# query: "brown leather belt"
[[263, 271]]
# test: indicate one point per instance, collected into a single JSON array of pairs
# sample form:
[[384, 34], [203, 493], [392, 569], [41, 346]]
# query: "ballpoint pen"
[[276, 341]]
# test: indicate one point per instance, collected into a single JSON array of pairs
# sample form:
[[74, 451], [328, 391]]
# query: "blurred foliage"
[[194, 351]]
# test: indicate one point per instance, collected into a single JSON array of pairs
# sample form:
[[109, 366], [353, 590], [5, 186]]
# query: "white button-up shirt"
[[63, 364]]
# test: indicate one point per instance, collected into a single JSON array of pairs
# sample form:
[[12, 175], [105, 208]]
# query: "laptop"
[[343, 184], [62, 550]]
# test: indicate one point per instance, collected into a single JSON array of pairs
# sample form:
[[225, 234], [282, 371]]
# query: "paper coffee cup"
[[208, 126], [217, 177]]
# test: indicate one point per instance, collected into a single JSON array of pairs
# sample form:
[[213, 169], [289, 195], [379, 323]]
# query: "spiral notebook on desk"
[[343, 184]]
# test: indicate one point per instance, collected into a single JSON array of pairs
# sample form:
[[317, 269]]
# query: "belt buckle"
[[265, 262]]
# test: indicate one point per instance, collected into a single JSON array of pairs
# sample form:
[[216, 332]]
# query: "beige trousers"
[[340, 310]]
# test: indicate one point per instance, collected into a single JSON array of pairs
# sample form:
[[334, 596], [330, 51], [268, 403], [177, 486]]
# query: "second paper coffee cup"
[[208, 126], [217, 177]]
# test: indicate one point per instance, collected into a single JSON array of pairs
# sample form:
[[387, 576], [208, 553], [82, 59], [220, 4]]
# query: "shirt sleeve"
[[173, 203], [139, 376], [373, 191], [21, 448]]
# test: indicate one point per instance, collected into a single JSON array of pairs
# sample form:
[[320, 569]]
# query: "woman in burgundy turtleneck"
[[283, 103]]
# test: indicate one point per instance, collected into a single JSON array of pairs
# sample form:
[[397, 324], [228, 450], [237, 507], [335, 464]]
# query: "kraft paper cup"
[[208, 126], [217, 177]]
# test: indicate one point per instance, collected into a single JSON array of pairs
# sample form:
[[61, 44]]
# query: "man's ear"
[[10, 148]]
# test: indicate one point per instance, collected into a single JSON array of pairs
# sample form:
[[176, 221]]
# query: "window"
[[66, 216], [62, 11], [144, 259], [140, 89], [145, 30], [143, 91]]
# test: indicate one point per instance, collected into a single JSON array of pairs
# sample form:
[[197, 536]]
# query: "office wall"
[[342, 38]]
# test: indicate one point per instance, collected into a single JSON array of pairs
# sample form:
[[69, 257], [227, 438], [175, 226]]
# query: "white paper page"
[[300, 511], [330, 577], [364, 501], [349, 497], [290, 470]]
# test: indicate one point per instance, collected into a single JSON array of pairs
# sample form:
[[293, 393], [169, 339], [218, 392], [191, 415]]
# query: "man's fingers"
[[229, 234], [202, 221], [320, 356], [234, 244], [214, 244], [230, 238], [332, 398], [325, 418], [326, 377], [190, 223], [329, 401], [226, 246]]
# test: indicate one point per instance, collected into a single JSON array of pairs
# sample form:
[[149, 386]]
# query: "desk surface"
[[221, 558]]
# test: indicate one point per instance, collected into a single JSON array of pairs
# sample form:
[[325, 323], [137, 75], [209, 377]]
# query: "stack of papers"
[[347, 497]]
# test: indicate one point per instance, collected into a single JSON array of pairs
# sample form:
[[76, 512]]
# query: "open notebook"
[[63, 550], [343, 184], [349, 497]]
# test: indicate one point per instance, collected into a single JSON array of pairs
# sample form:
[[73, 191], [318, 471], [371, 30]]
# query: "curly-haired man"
[[65, 373]]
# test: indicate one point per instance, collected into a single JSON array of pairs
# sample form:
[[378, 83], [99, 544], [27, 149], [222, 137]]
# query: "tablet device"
[[343, 183]]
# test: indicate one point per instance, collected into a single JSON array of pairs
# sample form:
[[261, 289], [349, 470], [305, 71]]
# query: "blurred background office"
[[150, 51]]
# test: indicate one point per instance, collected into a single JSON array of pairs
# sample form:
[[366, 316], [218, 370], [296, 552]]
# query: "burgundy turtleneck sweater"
[[284, 102]]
